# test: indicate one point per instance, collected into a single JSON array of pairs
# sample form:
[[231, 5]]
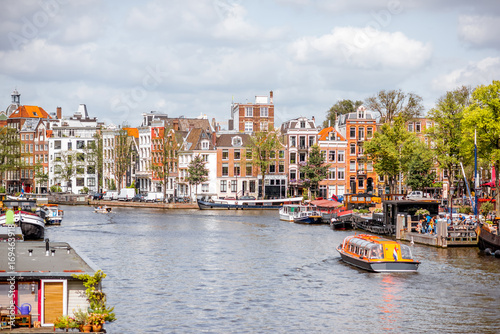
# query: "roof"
[[325, 133], [195, 137], [132, 132], [226, 139], [324, 203], [61, 265], [30, 112]]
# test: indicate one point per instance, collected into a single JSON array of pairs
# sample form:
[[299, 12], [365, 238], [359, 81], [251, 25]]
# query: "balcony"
[[303, 147]]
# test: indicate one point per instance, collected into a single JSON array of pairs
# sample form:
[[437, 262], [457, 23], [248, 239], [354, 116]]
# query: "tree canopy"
[[390, 104], [197, 172], [314, 170], [340, 108]]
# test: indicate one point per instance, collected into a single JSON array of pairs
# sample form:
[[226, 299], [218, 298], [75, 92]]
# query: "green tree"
[[419, 168], [197, 172], [340, 108], [390, 150], [122, 155], [41, 178], [169, 146], [393, 103], [10, 152], [483, 115], [264, 145], [446, 134], [65, 167], [314, 170]]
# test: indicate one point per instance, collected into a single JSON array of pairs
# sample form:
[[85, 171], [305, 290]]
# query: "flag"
[[22, 189], [395, 253], [335, 198]]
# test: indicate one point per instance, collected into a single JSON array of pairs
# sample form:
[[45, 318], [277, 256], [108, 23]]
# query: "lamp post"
[[452, 190]]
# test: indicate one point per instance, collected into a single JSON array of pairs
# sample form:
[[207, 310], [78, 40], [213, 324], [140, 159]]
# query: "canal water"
[[191, 271]]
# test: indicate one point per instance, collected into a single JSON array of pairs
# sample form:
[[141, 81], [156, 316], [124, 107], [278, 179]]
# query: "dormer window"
[[205, 145], [302, 124], [237, 141]]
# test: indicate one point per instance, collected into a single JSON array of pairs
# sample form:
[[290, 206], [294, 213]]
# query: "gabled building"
[[299, 135], [333, 147], [357, 128]]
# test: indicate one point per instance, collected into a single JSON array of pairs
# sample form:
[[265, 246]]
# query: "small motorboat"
[[102, 209], [376, 254], [308, 217], [338, 224], [52, 214]]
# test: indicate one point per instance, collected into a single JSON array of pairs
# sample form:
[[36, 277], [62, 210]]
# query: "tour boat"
[[376, 254], [24, 216], [52, 214], [245, 204], [311, 216]]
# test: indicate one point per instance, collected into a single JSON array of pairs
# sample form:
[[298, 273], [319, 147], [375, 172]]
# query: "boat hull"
[[379, 266], [308, 220], [341, 225], [245, 204], [486, 239]]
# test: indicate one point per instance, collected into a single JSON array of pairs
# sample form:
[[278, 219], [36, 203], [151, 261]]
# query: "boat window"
[[406, 252], [376, 252]]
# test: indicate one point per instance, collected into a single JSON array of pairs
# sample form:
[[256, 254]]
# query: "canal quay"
[[193, 271]]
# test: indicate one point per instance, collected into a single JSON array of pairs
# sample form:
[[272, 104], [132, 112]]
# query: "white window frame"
[[248, 111], [264, 112], [248, 126]]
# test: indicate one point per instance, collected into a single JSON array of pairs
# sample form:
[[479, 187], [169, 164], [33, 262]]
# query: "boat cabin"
[[41, 283], [392, 209]]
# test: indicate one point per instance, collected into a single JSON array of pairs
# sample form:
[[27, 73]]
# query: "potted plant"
[[65, 322], [97, 320], [82, 320]]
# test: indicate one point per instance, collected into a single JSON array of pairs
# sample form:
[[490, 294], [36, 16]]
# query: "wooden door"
[[53, 301]]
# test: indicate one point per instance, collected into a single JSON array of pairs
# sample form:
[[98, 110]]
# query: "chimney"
[[175, 124], [313, 118], [59, 113], [271, 97]]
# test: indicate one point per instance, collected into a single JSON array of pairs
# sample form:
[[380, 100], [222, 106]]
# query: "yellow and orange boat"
[[376, 254]]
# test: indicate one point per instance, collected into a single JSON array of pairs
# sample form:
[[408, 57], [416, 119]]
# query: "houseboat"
[[489, 238], [23, 213], [311, 216], [376, 254], [52, 214], [246, 204]]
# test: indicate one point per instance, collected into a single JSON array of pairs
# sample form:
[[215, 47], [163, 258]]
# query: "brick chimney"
[[59, 113], [271, 97]]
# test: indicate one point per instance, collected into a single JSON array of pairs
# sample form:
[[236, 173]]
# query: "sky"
[[194, 57]]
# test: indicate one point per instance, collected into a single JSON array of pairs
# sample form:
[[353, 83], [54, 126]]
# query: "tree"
[[262, 143], [389, 104], [122, 155], [169, 147], [40, 176], [65, 167], [314, 170], [420, 164], [10, 151], [389, 149], [483, 115], [446, 134], [197, 172], [340, 108], [96, 156]]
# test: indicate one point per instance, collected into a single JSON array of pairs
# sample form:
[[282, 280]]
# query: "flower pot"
[[97, 328], [87, 328]]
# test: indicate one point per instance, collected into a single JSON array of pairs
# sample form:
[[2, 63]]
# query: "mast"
[[476, 177]]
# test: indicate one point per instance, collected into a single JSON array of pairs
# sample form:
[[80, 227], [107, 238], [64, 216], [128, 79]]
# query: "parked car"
[[138, 198], [97, 196]]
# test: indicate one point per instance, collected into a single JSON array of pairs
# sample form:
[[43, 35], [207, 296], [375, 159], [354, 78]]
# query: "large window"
[[248, 170], [352, 166], [293, 175], [225, 154], [369, 133], [340, 174], [352, 132], [80, 144], [252, 186], [331, 156], [281, 167], [293, 142], [331, 173], [272, 168], [225, 169], [248, 126], [293, 158], [263, 126], [361, 133], [311, 141], [352, 149], [237, 155], [237, 169], [91, 182], [340, 156], [249, 153], [249, 111], [223, 186], [264, 112], [234, 186], [80, 181]]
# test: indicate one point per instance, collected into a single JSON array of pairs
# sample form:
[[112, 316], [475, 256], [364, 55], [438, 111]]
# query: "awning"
[[489, 184], [324, 203]]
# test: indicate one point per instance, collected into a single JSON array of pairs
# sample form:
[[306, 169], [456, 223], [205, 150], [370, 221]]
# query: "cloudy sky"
[[192, 57]]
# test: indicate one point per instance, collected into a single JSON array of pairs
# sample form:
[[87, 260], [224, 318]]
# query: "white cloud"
[[363, 48], [482, 72], [479, 30]]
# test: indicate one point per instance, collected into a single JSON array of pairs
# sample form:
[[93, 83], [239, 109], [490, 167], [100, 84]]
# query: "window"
[[410, 127], [80, 157], [272, 155], [281, 167], [80, 170], [248, 126], [80, 144], [340, 156], [323, 155], [91, 170], [272, 168], [263, 126], [293, 158], [281, 154], [225, 169], [302, 142], [252, 186], [352, 132], [302, 124], [234, 186], [225, 154], [249, 111], [204, 157], [237, 169], [417, 127], [302, 157], [249, 153], [204, 188], [361, 183], [223, 186], [369, 133], [340, 174], [236, 141], [311, 141], [205, 145], [293, 175], [264, 112], [237, 155], [352, 166], [369, 166], [331, 156], [353, 149], [331, 173], [70, 145], [57, 144], [80, 181], [248, 170], [293, 141], [428, 124], [91, 182], [361, 133]]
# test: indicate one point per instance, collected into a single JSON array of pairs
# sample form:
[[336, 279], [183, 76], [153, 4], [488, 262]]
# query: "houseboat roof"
[[62, 261]]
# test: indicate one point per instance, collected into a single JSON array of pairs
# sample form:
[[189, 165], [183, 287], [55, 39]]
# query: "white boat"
[[299, 213], [52, 214], [242, 203], [102, 209], [24, 215]]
